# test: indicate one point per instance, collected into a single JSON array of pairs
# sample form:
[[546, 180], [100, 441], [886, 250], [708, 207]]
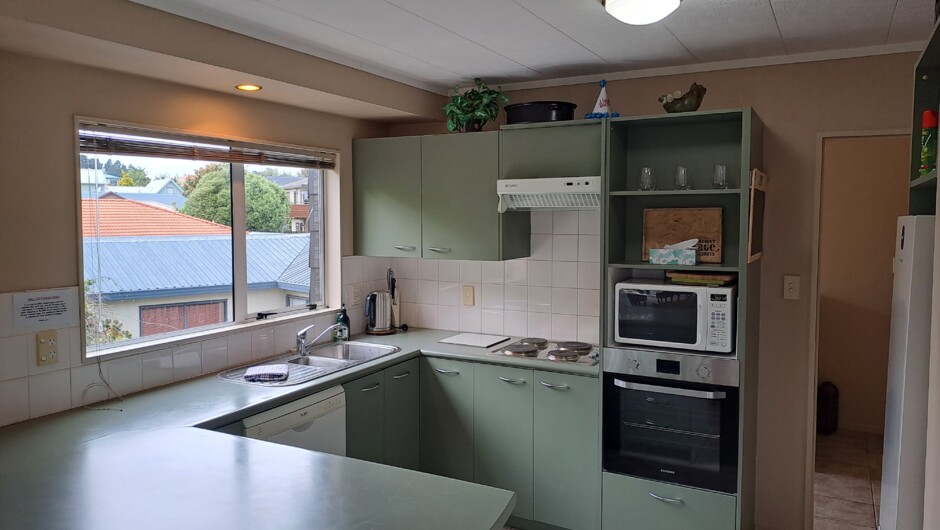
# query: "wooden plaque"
[[665, 226]]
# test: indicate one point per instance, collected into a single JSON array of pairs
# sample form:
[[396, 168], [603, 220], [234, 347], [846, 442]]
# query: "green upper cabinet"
[[365, 415], [459, 201], [502, 432], [567, 482], [446, 418], [562, 149], [401, 414], [387, 196]]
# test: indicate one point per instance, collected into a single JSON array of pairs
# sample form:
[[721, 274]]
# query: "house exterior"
[[161, 191], [94, 182]]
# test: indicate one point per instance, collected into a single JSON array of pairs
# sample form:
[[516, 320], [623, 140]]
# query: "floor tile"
[[843, 510], [876, 492], [875, 443], [841, 468], [846, 454], [843, 487], [820, 523]]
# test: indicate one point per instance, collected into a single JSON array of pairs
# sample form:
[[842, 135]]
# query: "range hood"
[[565, 193]]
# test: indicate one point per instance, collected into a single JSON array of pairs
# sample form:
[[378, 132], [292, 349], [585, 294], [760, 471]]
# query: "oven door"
[[673, 431], [664, 316]]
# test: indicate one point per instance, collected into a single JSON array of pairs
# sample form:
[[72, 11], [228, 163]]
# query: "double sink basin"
[[318, 362]]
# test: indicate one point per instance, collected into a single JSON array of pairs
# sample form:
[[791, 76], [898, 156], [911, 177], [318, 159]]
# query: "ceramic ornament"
[[602, 107]]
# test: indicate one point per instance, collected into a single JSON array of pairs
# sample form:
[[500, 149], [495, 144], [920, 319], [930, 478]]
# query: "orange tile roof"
[[122, 217], [299, 211]]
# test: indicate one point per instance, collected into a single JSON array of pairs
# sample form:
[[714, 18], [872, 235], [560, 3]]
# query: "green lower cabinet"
[[567, 450], [401, 414], [446, 418], [636, 504], [365, 418], [502, 432]]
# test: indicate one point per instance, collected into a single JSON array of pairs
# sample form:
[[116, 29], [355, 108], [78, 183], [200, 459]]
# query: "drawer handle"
[[650, 422], [406, 248], [401, 376], [666, 499], [512, 381], [440, 249], [446, 372], [554, 387], [368, 388]]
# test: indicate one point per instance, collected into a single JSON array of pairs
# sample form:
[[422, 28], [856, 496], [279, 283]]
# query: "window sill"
[[217, 332]]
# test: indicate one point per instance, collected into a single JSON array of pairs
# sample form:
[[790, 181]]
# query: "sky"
[[171, 167]]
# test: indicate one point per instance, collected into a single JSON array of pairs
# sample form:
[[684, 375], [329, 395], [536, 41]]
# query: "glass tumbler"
[[720, 180], [646, 179], [682, 178]]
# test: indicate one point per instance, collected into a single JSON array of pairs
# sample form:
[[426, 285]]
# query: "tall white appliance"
[[905, 441]]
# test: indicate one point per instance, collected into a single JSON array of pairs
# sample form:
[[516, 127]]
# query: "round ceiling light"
[[248, 87], [640, 12]]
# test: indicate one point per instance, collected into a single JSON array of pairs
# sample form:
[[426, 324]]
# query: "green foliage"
[[189, 182], [211, 198], [100, 329], [480, 103], [267, 208]]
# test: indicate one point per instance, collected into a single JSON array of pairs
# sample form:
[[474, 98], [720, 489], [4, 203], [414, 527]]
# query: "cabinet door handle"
[[666, 499], [406, 248], [555, 387], [446, 372], [368, 388], [440, 249], [512, 381], [402, 375]]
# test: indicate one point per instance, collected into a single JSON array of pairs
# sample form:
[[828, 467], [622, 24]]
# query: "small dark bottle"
[[342, 333]]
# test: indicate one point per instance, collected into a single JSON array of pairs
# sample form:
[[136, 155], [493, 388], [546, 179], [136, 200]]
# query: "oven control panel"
[[694, 368]]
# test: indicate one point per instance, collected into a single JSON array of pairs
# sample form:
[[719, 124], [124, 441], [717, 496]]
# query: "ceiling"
[[435, 44]]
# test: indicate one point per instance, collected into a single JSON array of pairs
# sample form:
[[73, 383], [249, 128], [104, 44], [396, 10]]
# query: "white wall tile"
[[448, 294], [87, 387], [407, 290], [565, 222], [239, 348], [470, 271], [76, 346], [50, 393], [517, 272], [448, 270], [540, 325], [493, 272], [589, 275], [299, 325], [427, 292], [64, 353], [285, 338], [492, 296], [322, 322], [187, 361], [426, 316], [515, 298], [515, 323], [370, 269], [377, 285], [589, 248], [564, 327], [541, 222], [157, 367], [588, 302], [262, 343], [540, 300], [427, 269], [408, 315], [215, 353], [470, 319], [352, 269], [14, 401], [491, 321], [540, 246], [448, 318], [125, 375], [565, 301], [382, 264], [406, 268], [540, 273], [565, 248], [14, 357], [589, 222], [564, 274], [589, 330]]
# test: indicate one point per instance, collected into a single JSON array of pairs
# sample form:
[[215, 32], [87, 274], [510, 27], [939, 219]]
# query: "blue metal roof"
[[169, 199], [142, 267]]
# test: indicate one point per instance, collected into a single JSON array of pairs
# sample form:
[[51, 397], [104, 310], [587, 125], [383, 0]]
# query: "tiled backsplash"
[[554, 293]]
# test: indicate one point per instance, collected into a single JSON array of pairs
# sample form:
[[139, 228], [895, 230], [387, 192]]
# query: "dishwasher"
[[316, 422]]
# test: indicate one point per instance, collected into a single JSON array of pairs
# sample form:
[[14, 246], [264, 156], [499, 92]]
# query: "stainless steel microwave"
[[675, 316]]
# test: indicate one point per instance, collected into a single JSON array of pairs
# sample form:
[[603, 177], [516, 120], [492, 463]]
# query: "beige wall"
[[864, 190], [795, 102], [40, 98]]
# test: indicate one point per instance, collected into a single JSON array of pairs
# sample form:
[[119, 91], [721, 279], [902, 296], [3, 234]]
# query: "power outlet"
[[468, 295], [355, 295], [791, 287], [47, 347]]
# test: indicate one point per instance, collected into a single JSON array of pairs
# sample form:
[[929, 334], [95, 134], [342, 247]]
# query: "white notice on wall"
[[45, 309]]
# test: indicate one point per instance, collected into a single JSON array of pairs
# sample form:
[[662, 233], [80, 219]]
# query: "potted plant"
[[470, 110]]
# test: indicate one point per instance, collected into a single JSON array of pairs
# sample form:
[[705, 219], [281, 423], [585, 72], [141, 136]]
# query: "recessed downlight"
[[248, 87]]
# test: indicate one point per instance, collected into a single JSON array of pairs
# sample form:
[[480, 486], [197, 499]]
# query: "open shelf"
[[928, 181], [706, 191], [702, 267]]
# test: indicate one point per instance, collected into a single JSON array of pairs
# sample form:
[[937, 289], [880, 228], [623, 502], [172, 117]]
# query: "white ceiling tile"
[[816, 25], [721, 30], [913, 21]]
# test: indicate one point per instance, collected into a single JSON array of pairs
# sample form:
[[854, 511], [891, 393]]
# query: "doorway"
[[863, 192]]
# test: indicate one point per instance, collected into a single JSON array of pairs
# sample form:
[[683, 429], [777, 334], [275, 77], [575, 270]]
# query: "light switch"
[[791, 287], [467, 295], [47, 348]]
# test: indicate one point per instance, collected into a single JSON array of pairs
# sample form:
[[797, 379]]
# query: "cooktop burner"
[[521, 349], [569, 356], [545, 350], [539, 343], [575, 347]]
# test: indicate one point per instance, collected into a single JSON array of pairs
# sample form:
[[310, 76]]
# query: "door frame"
[[813, 376]]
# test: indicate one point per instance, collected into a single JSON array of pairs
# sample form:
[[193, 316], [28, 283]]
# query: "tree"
[[211, 198], [133, 176], [189, 182], [100, 329], [267, 208]]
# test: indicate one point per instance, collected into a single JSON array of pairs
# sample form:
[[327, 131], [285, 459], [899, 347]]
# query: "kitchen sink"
[[319, 361]]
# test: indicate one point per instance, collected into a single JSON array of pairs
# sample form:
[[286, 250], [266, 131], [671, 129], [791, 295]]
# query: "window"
[[170, 223]]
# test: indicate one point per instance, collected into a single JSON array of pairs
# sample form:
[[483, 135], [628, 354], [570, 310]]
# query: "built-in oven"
[[671, 417]]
